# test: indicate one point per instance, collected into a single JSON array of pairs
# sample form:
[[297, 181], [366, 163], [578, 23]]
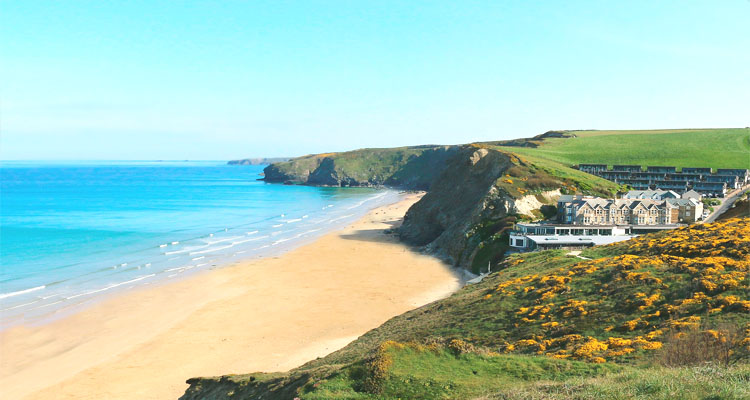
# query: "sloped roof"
[[681, 202], [650, 194]]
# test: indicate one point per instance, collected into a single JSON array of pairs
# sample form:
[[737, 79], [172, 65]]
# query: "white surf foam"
[[250, 240], [110, 286], [222, 240], [20, 292], [211, 250], [339, 218], [186, 249]]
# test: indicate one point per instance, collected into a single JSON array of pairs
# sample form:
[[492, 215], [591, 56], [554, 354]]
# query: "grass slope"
[[552, 326], [410, 167], [534, 170], [741, 208], [715, 148]]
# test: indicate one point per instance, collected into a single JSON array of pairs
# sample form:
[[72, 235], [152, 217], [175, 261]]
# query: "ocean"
[[73, 232]]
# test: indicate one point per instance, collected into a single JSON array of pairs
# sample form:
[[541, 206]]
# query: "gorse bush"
[[724, 345], [624, 305]]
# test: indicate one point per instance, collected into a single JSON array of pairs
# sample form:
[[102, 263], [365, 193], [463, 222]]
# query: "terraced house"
[[587, 211], [701, 180]]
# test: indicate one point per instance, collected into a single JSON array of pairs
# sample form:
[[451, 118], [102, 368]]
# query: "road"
[[725, 205]]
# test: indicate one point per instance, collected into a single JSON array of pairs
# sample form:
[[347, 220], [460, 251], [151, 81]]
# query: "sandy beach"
[[269, 314]]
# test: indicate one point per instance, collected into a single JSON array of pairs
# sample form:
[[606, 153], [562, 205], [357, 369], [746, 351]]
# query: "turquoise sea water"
[[71, 233]]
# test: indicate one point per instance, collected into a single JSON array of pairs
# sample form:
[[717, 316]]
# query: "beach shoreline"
[[269, 314]]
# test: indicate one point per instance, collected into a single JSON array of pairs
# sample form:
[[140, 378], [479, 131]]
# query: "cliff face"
[[296, 170], [476, 193], [454, 197], [404, 167], [466, 211]]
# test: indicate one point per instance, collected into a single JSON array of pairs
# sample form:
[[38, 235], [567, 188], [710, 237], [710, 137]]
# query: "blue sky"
[[198, 80]]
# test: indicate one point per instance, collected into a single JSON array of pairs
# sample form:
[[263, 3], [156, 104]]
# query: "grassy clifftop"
[[496, 188], [417, 167], [413, 167], [627, 323], [715, 148]]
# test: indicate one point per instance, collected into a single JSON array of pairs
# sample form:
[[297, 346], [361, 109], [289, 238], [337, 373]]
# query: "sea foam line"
[[211, 250], [186, 249], [223, 240], [110, 286], [250, 240], [366, 200], [21, 305], [297, 236], [11, 294], [339, 218]]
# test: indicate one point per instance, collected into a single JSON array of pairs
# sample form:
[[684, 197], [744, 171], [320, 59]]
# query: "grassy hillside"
[[715, 148], [533, 168], [470, 230], [419, 166], [412, 167], [739, 209], [634, 321]]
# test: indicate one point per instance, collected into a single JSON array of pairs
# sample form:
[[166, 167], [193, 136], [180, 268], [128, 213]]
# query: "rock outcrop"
[[467, 210], [464, 196]]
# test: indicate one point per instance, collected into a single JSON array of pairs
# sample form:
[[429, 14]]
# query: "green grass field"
[[437, 374], [424, 373], [715, 148]]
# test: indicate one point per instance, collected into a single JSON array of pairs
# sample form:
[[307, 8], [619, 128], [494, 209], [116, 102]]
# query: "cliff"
[[403, 167], [463, 195], [477, 198], [476, 192]]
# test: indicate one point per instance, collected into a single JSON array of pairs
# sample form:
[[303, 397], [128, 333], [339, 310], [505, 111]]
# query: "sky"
[[142, 80]]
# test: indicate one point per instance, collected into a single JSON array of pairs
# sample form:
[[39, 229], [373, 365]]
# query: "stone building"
[[591, 211]]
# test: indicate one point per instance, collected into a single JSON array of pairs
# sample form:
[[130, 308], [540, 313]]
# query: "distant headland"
[[259, 161]]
